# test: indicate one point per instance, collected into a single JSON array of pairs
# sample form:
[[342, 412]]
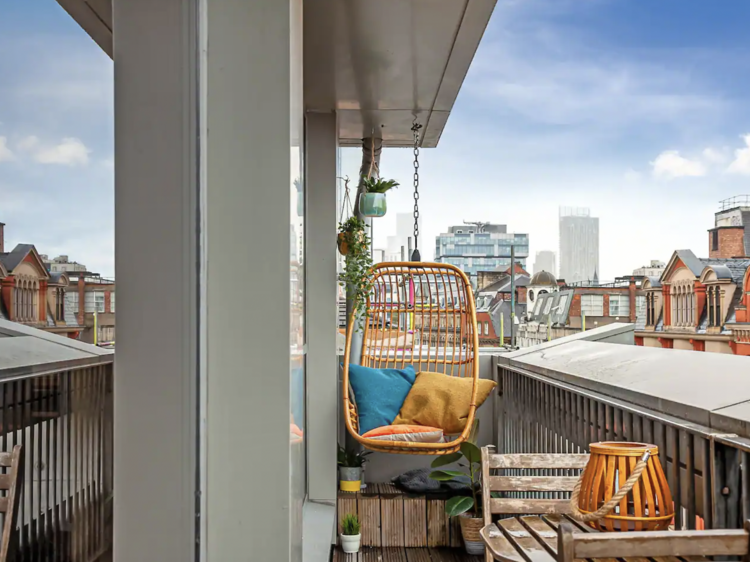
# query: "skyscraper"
[[546, 260], [579, 245], [404, 231]]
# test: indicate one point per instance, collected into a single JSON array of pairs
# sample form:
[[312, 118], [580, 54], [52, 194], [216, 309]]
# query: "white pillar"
[[204, 468], [156, 235], [254, 479], [322, 314]]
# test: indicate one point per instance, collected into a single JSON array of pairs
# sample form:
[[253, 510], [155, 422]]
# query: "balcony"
[[56, 401]]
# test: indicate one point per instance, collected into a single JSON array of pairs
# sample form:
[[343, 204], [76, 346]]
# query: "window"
[[640, 307], [714, 240], [562, 305], [112, 301], [60, 304], [486, 328], [619, 305], [548, 305], [94, 301], [714, 307], [538, 306], [592, 305]]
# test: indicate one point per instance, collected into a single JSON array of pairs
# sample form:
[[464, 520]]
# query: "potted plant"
[[354, 243], [350, 469], [372, 202], [351, 533], [467, 508]]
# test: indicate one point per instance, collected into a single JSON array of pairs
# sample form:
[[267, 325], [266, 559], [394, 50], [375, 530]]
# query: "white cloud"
[[6, 153], [28, 143], [70, 152], [741, 162], [669, 165], [714, 156]]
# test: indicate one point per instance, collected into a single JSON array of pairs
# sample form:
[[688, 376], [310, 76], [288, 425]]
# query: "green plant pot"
[[373, 205]]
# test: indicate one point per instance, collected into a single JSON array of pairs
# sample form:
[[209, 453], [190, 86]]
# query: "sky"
[[633, 108], [56, 135]]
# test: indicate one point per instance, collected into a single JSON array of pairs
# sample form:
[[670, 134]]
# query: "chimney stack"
[[2, 237]]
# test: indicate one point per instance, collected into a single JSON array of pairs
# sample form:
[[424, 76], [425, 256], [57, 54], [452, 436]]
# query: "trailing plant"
[[378, 185], [350, 525], [356, 277], [471, 456], [352, 459]]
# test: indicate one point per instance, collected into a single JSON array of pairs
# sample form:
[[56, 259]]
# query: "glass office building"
[[481, 247]]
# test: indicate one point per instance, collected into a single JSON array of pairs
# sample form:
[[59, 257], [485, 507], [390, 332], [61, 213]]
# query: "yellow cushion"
[[437, 400]]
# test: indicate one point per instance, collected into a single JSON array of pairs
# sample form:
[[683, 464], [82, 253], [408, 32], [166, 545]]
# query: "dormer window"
[[714, 306]]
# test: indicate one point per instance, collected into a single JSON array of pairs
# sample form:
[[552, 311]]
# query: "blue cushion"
[[379, 394]]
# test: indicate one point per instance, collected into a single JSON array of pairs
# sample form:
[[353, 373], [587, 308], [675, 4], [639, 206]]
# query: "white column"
[[203, 463], [322, 314], [156, 209], [254, 132]]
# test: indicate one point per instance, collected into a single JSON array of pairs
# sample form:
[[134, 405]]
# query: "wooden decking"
[[392, 519], [367, 554]]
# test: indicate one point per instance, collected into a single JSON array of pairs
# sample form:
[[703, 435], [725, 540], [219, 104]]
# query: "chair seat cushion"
[[409, 433], [379, 394], [438, 400]]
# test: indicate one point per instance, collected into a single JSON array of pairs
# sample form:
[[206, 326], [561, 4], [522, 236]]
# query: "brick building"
[[581, 307], [91, 298], [31, 295], [701, 304]]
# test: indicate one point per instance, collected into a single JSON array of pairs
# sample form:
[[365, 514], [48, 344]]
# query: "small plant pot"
[[350, 543], [470, 527], [342, 244], [350, 478], [373, 204]]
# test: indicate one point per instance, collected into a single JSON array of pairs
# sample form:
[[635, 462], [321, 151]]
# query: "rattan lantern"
[[623, 488]]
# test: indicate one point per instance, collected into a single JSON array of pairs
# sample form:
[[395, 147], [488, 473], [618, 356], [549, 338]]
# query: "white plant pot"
[[350, 543]]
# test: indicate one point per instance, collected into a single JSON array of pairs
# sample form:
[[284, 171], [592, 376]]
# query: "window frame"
[[588, 306]]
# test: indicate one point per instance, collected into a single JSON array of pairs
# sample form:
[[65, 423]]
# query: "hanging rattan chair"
[[419, 314]]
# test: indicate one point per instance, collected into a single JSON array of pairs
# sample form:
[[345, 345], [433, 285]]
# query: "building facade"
[[62, 263], [579, 245], [481, 247], [546, 260], [699, 304], [570, 310], [33, 296], [654, 269], [91, 298]]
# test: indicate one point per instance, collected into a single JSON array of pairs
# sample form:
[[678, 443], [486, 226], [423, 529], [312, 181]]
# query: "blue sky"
[[634, 108], [56, 135]]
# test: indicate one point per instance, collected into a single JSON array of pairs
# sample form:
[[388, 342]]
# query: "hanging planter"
[[351, 236], [372, 202]]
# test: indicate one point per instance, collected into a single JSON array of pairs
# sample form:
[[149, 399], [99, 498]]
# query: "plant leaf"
[[445, 459], [445, 475], [472, 453], [458, 505]]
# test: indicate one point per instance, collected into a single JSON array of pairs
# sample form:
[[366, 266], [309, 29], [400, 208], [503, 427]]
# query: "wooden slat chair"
[[523, 480], [11, 481], [574, 544]]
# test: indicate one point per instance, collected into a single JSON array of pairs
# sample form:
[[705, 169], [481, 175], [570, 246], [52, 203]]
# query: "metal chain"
[[415, 129]]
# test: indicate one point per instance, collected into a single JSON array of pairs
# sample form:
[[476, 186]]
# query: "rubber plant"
[[356, 276], [469, 457]]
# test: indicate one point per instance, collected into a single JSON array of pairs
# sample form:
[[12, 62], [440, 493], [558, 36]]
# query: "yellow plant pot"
[[350, 485]]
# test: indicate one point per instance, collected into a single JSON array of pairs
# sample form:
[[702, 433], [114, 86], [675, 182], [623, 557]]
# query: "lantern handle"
[[608, 506]]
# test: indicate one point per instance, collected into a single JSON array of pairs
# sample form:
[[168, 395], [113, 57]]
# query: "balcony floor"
[[367, 554]]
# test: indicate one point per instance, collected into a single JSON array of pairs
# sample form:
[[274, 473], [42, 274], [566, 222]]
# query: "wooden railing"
[[708, 471]]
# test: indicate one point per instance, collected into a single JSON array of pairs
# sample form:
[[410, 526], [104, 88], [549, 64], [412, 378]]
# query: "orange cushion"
[[411, 433]]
